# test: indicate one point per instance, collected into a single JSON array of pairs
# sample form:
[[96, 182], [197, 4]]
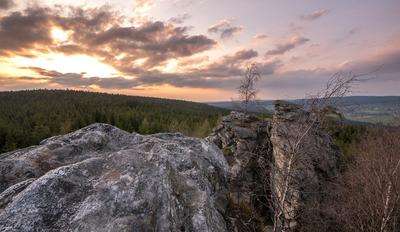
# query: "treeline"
[[27, 117]]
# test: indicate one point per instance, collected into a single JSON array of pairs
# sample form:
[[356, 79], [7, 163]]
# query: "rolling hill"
[[27, 117]]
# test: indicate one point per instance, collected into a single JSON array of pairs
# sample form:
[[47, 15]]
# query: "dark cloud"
[[225, 29], [241, 55], [24, 32], [314, 15], [227, 66], [6, 4], [285, 47], [100, 33], [155, 41], [78, 80], [147, 78], [224, 73], [21, 31]]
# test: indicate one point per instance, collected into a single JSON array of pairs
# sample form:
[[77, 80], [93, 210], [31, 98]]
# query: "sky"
[[198, 49]]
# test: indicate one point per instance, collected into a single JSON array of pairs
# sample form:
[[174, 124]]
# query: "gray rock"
[[245, 142], [101, 178], [258, 152], [300, 143], [7, 195]]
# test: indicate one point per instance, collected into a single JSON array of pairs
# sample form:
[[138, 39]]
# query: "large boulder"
[[101, 178]]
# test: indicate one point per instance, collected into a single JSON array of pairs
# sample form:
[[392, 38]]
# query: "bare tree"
[[247, 89], [369, 194]]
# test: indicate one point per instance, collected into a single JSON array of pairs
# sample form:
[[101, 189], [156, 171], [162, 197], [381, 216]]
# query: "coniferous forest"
[[27, 117]]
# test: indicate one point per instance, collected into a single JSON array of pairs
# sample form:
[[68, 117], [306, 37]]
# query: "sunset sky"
[[197, 49]]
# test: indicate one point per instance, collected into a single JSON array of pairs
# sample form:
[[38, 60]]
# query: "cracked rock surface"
[[101, 178]]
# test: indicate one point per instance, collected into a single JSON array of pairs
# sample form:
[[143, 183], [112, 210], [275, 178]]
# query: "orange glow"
[[187, 93], [68, 64]]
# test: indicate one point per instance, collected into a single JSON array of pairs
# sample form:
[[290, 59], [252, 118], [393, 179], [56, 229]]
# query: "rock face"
[[245, 142], [305, 160], [287, 157], [101, 178]]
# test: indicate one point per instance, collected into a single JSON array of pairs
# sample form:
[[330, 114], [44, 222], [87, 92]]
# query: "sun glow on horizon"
[[88, 65]]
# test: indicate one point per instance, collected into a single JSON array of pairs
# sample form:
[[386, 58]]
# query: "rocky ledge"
[[101, 178]]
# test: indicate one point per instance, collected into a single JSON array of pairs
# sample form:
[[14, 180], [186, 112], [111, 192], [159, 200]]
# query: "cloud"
[[348, 34], [157, 42], [143, 5], [78, 80], [141, 51], [383, 69], [241, 55], [225, 29], [29, 31], [260, 37], [224, 73], [385, 62], [100, 33], [180, 18], [6, 4], [229, 65], [314, 15], [22, 31], [294, 42]]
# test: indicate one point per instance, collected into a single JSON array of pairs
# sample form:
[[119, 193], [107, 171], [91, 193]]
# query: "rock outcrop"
[[101, 178], [285, 157], [305, 160], [245, 142]]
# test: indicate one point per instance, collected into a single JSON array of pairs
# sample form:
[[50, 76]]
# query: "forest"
[[29, 116]]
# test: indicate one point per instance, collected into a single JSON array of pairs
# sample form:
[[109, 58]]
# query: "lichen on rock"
[[105, 179]]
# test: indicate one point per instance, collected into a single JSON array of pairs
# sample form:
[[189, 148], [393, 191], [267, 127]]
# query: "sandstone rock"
[[245, 142], [101, 178], [258, 152], [306, 154]]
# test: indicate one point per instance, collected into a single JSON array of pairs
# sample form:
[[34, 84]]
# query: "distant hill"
[[27, 117], [371, 109]]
